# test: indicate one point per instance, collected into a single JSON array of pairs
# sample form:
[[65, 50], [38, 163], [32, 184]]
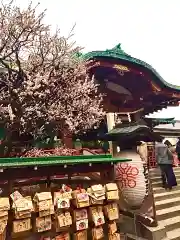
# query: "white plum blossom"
[[43, 81]]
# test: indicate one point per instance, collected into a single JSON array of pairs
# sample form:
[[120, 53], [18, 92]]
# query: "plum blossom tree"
[[42, 83]]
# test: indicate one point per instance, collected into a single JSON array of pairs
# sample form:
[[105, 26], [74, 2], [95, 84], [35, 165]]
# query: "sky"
[[147, 29]]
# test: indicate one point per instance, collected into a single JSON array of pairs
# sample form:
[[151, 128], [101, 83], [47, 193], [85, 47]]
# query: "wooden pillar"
[[110, 126], [137, 116], [151, 155]]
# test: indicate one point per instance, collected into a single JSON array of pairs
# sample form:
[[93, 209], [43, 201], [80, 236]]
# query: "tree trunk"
[[67, 138], [68, 142]]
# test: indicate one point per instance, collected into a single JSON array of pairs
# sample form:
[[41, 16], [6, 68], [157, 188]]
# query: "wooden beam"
[[31, 172]]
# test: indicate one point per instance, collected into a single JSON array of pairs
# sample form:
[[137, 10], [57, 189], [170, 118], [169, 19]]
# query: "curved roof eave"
[[170, 119], [118, 53]]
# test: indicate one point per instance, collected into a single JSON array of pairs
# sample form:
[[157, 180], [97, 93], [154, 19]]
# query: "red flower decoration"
[[126, 175]]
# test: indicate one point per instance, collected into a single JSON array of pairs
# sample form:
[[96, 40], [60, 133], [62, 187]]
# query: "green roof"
[[136, 132], [58, 160], [127, 130], [161, 120], [118, 53]]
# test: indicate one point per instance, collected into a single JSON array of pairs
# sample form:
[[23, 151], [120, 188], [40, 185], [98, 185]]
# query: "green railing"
[[58, 160]]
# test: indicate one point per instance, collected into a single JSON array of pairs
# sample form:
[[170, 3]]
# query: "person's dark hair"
[[138, 143], [161, 139], [168, 143]]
